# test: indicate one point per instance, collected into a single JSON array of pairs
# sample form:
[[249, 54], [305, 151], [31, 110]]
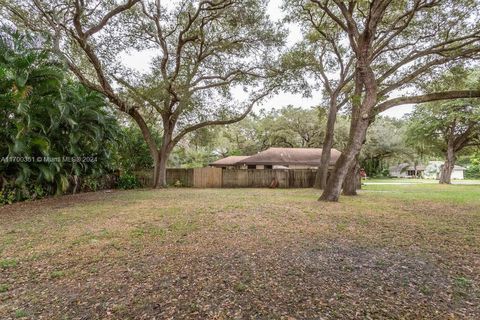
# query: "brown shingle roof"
[[228, 161], [290, 156]]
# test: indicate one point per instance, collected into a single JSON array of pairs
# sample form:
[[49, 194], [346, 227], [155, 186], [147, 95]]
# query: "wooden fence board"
[[180, 177], [207, 178], [263, 178], [301, 178], [235, 178]]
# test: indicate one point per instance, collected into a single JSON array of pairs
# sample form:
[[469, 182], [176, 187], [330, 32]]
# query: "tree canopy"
[[447, 128], [201, 50]]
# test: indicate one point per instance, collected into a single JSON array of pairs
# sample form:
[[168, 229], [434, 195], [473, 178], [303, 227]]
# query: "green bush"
[[91, 184], [7, 195], [11, 193], [473, 172], [128, 181]]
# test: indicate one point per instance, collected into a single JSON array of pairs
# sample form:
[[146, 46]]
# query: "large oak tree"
[[201, 50], [397, 44]]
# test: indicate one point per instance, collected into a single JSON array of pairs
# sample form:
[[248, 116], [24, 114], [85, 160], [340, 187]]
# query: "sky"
[[141, 61]]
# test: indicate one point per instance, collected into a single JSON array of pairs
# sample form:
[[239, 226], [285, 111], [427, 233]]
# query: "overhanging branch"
[[221, 122], [436, 96]]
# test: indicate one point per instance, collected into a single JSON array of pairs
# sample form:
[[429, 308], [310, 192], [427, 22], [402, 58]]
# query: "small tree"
[[448, 127], [201, 50]]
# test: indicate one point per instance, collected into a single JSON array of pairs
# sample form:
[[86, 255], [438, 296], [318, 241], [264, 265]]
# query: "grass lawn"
[[395, 251], [416, 181]]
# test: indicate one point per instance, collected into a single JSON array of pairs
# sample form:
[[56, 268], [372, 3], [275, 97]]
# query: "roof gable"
[[290, 156], [229, 161]]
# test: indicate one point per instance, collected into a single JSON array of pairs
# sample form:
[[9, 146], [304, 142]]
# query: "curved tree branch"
[[221, 122], [436, 96]]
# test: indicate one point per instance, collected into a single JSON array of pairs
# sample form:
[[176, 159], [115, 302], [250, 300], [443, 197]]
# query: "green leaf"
[[41, 143], [21, 79], [47, 172], [19, 146]]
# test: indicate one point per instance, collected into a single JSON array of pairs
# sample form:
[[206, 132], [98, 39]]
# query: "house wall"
[[457, 174], [397, 174], [236, 166], [434, 168]]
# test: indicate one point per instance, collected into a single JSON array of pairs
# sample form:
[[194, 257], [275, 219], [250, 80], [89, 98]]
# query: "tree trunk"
[[334, 184], [366, 87], [163, 155], [358, 132], [156, 168], [147, 135], [352, 183], [448, 166], [322, 172], [162, 171]]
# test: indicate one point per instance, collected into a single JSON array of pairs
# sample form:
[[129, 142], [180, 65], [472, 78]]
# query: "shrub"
[[7, 195], [128, 181], [11, 192], [91, 184], [473, 170]]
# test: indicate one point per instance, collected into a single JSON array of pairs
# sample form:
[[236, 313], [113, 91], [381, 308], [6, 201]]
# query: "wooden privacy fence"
[[207, 178], [255, 178], [235, 178], [175, 177]]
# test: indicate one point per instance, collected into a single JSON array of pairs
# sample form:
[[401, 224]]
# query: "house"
[[430, 171], [406, 170], [434, 169], [279, 158], [229, 162]]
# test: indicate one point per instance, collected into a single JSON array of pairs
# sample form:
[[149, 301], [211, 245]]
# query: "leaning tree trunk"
[[358, 131], [334, 184], [361, 117], [352, 182], [322, 172], [448, 166]]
